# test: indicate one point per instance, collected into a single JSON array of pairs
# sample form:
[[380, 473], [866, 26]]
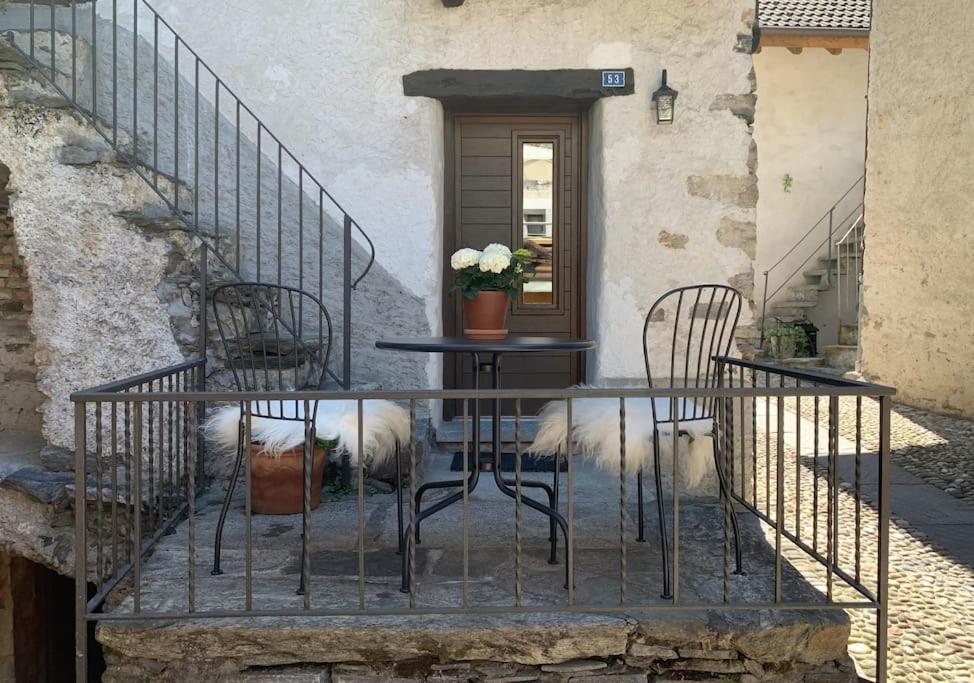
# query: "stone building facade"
[[917, 332]]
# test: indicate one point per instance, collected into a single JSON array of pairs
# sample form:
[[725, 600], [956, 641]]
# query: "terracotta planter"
[[486, 316], [278, 482]]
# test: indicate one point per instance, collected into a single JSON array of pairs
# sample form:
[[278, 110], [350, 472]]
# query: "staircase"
[[822, 286], [253, 207]]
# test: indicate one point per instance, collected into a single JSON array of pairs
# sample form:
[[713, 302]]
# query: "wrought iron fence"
[[212, 161], [141, 463]]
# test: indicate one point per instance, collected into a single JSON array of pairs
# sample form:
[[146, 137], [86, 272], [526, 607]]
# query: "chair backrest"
[[684, 330], [276, 338]]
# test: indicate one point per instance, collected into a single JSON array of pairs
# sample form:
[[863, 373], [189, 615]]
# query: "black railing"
[[777, 433], [211, 160], [828, 237]]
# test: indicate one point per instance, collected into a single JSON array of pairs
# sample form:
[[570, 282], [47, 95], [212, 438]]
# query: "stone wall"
[[18, 373], [917, 332], [380, 152]]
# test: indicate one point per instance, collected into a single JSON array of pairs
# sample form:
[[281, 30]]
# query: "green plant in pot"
[[787, 341], [488, 280]]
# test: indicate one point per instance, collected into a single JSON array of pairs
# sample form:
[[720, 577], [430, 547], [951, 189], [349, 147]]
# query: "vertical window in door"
[[538, 221]]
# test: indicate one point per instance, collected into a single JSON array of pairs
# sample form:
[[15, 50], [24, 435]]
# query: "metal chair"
[[700, 321], [276, 338]]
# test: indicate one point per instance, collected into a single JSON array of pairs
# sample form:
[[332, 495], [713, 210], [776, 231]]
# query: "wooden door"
[[517, 180]]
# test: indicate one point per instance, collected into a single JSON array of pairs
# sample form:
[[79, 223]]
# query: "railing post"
[[201, 370], [80, 547], [347, 307], [882, 561]]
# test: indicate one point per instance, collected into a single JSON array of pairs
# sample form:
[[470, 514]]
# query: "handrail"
[[825, 242], [238, 231]]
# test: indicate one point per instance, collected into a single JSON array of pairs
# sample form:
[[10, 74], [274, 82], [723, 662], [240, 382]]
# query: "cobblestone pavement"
[[936, 448], [931, 595]]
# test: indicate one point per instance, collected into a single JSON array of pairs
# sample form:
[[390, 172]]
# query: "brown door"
[[517, 180]]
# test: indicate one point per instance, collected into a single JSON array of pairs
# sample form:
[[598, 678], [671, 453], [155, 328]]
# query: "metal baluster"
[[779, 515], [137, 504], [623, 503], [466, 517], [833, 509], [754, 441], [411, 544], [155, 100], [720, 446], [798, 462], [81, 544], [308, 466], [858, 492], [114, 73], [882, 559], [74, 51], [175, 144], [31, 25], [99, 500], [767, 447], [114, 476], [53, 51], [94, 62], [216, 162], [675, 416], [237, 186], [280, 163], [191, 512], [518, 569], [815, 439], [259, 160], [570, 549], [135, 85], [248, 512], [128, 479], [151, 517], [361, 508], [196, 143]]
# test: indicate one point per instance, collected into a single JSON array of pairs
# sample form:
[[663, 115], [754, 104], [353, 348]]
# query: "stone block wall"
[[18, 373]]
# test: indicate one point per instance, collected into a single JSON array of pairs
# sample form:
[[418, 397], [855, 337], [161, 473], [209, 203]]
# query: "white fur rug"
[[383, 424], [596, 435]]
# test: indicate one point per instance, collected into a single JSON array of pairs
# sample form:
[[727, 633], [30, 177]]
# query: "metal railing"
[[139, 465], [210, 159], [818, 240]]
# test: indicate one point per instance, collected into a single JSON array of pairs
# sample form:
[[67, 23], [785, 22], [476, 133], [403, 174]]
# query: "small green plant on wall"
[[787, 182], [788, 341]]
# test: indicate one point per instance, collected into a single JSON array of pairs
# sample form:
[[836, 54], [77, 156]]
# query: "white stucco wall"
[[810, 124], [326, 77], [918, 319]]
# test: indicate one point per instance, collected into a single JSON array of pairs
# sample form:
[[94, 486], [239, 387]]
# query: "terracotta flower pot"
[[278, 482], [486, 316]]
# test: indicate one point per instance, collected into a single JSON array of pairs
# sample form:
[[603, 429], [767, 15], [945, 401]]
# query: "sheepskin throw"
[[383, 424], [595, 435]]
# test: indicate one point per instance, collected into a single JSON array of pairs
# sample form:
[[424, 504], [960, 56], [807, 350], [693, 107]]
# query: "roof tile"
[[816, 14]]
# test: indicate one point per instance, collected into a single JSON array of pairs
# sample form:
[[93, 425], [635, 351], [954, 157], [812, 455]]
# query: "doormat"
[[529, 463]]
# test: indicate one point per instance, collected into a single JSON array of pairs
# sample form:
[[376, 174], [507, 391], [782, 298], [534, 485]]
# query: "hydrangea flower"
[[464, 258]]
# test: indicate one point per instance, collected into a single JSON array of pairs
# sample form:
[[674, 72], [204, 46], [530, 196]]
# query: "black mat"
[[529, 463]]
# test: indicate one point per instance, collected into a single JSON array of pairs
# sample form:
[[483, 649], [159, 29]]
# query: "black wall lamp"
[[665, 99]]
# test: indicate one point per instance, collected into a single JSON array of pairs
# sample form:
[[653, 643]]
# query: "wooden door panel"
[[495, 194]]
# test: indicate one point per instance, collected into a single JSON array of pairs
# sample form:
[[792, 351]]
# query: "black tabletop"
[[510, 344]]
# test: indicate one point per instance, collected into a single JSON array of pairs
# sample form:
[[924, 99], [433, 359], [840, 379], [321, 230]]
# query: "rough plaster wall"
[[810, 124], [327, 77], [918, 318], [97, 312]]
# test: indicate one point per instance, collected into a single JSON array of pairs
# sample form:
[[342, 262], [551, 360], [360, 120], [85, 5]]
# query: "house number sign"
[[613, 79]]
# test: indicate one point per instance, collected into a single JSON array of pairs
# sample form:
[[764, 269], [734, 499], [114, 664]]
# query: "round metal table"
[[493, 351]]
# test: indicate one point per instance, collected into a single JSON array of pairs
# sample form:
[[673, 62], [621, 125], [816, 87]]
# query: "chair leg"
[[399, 520], [641, 521], [729, 505], [218, 541], [664, 538]]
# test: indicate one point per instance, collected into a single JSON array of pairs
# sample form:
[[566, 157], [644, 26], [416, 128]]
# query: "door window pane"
[[538, 220]]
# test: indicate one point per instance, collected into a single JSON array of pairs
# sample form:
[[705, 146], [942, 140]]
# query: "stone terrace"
[[782, 645]]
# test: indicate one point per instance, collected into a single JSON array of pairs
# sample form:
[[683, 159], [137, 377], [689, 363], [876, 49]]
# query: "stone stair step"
[[804, 292], [848, 334], [841, 356]]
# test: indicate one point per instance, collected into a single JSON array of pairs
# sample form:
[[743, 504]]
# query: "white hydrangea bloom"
[[494, 260], [464, 258], [497, 248]]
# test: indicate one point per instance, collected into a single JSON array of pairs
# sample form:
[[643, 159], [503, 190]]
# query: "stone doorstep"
[[554, 641]]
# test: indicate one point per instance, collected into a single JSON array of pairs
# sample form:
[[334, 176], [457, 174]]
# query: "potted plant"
[[488, 280], [278, 478], [787, 341]]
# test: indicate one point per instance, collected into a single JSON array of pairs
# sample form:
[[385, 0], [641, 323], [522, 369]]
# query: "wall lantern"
[[665, 99]]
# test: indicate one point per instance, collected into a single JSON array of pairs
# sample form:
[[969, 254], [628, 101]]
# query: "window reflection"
[[537, 206]]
